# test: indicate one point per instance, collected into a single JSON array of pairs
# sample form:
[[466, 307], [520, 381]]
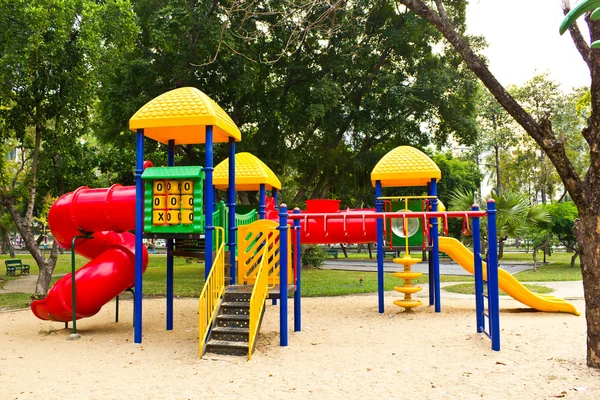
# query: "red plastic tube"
[[107, 214]]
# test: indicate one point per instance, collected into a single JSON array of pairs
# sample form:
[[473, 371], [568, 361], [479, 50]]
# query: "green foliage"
[[562, 222], [514, 213], [320, 103], [312, 256], [457, 175]]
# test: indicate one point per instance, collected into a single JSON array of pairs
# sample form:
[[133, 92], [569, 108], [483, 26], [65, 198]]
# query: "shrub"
[[312, 256]]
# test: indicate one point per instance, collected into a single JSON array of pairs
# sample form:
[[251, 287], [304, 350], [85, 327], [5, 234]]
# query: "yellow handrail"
[[257, 300], [213, 290]]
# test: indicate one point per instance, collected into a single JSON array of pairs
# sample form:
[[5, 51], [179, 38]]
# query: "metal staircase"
[[230, 334]]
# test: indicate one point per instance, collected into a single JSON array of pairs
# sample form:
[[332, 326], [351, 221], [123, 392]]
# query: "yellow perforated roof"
[[250, 173], [405, 166], [182, 115]]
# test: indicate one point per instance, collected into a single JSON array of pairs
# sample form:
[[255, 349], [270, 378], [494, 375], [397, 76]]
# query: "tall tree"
[[495, 134], [584, 190], [320, 93], [50, 54]]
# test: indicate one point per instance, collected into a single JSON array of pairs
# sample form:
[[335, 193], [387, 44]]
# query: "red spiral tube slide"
[[108, 214]]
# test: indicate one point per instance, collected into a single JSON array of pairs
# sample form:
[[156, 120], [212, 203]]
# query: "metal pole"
[[436, 249], [283, 275], [380, 281], [262, 194], [478, 270], [170, 278], [492, 277], [74, 335], [297, 294], [208, 203], [139, 230], [430, 260], [231, 205]]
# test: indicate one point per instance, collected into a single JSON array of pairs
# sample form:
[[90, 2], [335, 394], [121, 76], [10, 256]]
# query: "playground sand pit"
[[345, 351]]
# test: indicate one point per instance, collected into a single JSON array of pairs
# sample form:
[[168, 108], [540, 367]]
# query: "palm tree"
[[514, 214]]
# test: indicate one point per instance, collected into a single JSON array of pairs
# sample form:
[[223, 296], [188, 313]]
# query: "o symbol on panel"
[[191, 201], [173, 201], [159, 187], [186, 186], [168, 217], [156, 202]]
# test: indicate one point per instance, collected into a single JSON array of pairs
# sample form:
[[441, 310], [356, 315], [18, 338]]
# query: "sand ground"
[[345, 351]]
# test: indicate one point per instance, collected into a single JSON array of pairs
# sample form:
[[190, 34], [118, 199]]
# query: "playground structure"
[[178, 204]]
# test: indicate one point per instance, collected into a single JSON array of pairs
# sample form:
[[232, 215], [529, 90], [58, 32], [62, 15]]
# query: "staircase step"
[[235, 308], [232, 295], [229, 334], [227, 347], [233, 321]]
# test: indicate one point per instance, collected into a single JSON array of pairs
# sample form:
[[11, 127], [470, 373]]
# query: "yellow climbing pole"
[[408, 289]]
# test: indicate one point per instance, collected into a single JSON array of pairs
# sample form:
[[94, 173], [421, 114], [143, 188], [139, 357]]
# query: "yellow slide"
[[464, 257]]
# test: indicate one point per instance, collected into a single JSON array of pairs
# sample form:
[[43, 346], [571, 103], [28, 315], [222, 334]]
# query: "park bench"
[[332, 252], [13, 265], [391, 253]]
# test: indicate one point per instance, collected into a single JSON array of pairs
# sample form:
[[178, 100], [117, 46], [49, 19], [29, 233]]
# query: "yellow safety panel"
[[159, 202], [187, 187], [182, 115], [250, 173], [173, 217], [159, 187], [159, 217], [187, 217], [187, 202], [405, 166]]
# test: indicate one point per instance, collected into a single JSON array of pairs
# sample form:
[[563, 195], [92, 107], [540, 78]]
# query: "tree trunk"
[[587, 228], [8, 244], [46, 266], [573, 258], [498, 181], [500, 249], [536, 248]]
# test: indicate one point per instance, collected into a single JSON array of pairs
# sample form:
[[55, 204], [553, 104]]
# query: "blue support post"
[[283, 275], [139, 231], [170, 163], [436, 250], [297, 295], [379, 208], [430, 261], [262, 194], [274, 193], [492, 277], [209, 198], [477, 263], [231, 205]]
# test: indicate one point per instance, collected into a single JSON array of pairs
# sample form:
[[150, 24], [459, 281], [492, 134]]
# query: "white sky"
[[523, 41]]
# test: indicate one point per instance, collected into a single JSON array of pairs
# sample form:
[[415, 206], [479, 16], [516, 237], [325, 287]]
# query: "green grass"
[[189, 278], [469, 288], [12, 301], [323, 282], [551, 273], [554, 258]]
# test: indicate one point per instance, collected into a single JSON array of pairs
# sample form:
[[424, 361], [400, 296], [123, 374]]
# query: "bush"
[[312, 256]]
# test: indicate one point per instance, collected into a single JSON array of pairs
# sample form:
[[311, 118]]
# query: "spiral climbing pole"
[[408, 289]]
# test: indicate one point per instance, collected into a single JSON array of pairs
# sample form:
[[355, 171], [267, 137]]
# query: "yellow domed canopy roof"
[[405, 166], [250, 173], [182, 115]]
